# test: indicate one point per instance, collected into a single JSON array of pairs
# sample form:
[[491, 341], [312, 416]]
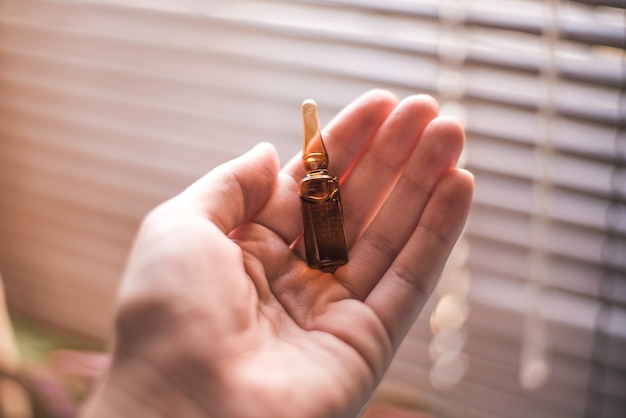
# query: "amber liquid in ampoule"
[[322, 218]]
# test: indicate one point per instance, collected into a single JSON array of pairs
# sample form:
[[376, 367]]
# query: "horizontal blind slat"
[[417, 37]]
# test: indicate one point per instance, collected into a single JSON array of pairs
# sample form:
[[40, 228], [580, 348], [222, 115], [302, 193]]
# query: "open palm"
[[220, 316]]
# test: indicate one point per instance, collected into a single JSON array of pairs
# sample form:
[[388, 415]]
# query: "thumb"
[[235, 191]]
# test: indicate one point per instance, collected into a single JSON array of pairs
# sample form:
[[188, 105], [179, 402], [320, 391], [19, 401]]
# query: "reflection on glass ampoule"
[[322, 217]]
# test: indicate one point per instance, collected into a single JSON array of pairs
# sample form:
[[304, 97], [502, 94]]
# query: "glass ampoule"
[[322, 218]]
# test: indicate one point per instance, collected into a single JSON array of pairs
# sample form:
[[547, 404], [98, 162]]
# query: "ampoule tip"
[[309, 105]]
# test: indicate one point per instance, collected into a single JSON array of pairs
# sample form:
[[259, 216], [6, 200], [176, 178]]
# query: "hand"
[[219, 316]]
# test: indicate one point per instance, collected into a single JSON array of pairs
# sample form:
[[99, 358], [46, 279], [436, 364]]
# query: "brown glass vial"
[[322, 218]]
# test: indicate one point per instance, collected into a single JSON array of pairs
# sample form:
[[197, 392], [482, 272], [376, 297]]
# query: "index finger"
[[346, 138]]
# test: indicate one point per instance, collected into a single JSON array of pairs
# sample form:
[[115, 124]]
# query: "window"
[[107, 107]]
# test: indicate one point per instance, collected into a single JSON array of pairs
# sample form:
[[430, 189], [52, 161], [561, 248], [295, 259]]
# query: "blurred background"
[[108, 107]]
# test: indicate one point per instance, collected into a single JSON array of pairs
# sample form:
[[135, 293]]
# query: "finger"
[[234, 192], [350, 131], [345, 138], [436, 154], [377, 170], [402, 292]]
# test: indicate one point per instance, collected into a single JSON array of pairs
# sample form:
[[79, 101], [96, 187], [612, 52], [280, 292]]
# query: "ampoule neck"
[[315, 161], [317, 173]]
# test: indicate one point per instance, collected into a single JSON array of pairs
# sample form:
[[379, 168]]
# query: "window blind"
[[107, 107]]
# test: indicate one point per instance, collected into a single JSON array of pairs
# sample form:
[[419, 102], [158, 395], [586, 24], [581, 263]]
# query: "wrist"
[[137, 389]]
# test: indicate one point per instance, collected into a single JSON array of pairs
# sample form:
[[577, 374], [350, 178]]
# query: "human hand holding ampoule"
[[220, 316]]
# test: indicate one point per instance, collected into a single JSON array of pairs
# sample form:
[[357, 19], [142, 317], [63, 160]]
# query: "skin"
[[219, 316]]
